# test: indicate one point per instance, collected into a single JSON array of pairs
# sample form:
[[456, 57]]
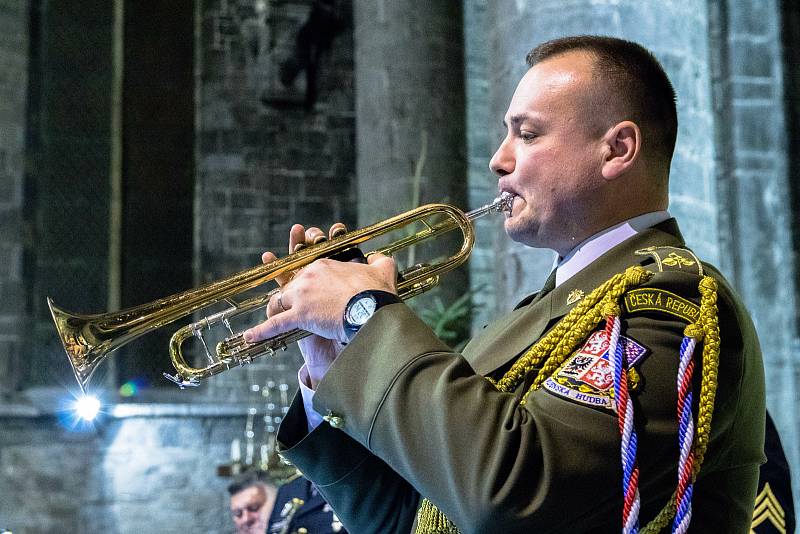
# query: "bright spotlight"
[[87, 407]]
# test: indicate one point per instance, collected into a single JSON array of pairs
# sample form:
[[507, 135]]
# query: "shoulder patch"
[[661, 300], [586, 377], [673, 259]]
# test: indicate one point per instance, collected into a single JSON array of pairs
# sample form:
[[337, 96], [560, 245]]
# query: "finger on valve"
[[314, 235], [337, 230], [297, 238]]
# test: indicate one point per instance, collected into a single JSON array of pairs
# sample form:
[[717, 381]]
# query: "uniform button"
[[302, 530], [334, 420]]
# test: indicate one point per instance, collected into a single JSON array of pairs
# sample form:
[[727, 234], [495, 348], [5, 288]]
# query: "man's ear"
[[623, 143]]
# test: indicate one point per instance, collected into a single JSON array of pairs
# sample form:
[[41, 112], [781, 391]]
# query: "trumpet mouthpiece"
[[505, 202]]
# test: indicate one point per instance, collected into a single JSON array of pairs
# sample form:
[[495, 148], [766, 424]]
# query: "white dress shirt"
[[600, 243]]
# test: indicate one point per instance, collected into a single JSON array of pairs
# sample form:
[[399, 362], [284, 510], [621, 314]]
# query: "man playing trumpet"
[[627, 394]]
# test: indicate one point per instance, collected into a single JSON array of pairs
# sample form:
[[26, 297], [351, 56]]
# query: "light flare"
[[87, 407]]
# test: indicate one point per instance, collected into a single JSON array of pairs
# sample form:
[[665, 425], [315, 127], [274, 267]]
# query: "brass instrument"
[[88, 339]]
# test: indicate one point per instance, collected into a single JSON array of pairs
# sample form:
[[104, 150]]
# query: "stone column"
[[410, 110], [756, 191]]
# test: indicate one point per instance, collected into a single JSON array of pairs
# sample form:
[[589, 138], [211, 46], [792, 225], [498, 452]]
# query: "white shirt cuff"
[[314, 419]]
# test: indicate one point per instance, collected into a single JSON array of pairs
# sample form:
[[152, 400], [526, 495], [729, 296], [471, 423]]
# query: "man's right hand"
[[318, 352]]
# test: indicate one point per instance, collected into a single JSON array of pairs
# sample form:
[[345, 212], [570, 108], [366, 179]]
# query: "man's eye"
[[527, 136]]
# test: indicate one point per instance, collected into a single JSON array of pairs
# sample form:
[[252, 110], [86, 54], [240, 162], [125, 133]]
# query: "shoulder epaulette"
[[645, 299], [656, 299], [673, 259]]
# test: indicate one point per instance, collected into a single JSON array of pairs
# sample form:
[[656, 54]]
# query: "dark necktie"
[[549, 285]]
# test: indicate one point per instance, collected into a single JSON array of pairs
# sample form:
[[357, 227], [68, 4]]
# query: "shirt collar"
[[603, 241]]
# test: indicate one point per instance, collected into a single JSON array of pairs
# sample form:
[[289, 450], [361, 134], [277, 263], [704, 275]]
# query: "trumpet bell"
[[85, 350]]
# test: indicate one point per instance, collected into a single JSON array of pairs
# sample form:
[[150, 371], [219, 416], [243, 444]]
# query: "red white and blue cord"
[[683, 495], [630, 471]]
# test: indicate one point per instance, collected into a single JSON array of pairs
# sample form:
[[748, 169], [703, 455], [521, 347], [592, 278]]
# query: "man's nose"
[[502, 162]]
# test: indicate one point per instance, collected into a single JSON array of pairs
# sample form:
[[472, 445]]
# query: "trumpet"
[[89, 338]]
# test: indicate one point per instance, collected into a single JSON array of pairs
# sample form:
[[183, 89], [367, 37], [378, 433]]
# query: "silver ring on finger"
[[280, 301]]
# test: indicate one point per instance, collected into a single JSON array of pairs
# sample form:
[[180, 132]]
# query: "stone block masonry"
[[13, 88], [265, 160]]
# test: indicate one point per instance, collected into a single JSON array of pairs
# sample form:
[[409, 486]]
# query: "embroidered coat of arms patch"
[[586, 376]]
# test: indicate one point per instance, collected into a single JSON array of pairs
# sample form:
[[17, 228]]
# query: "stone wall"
[[265, 157], [13, 88], [264, 160], [139, 469]]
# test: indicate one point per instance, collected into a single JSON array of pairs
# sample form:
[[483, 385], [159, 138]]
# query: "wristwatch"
[[363, 306]]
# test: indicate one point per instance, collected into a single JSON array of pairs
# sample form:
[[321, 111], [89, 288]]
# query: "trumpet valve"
[[228, 348], [235, 349]]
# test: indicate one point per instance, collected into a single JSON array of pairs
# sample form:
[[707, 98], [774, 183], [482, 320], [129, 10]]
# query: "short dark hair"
[[632, 71], [248, 479]]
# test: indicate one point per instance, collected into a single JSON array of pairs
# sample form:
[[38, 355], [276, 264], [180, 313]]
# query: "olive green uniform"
[[416, 420]]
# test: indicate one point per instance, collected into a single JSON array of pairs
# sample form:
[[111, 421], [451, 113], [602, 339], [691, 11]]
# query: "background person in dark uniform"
[[300, 508], [520, 433], [774, 506]]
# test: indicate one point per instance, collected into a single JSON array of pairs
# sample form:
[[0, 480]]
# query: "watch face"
[[361, 310]]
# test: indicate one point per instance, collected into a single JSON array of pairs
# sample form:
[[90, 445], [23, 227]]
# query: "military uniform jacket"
[[417, 420]]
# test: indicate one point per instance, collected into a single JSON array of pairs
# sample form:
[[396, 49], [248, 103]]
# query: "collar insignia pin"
[[574, 296]]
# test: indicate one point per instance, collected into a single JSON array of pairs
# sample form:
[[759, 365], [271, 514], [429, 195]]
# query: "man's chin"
[[517, 231], [525, 234]]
